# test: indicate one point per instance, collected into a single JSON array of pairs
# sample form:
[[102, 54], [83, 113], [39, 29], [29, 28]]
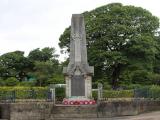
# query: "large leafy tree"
[[44, 54], [157, 61], [14, 64], [121, 41]]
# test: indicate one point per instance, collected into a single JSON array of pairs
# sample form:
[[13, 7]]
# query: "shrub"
[[27, 83], [115, 94], [60, 94], [154, 92], [142, 77], [12, 81], [118, 94], [2, 82], [147, 92], [106, 86], [24, 92], [95, 95], [132, 86]]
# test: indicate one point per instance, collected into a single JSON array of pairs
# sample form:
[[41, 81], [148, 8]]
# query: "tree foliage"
[[123, 45], [14, 64], [121, 39], [39, 67], [44, 54]]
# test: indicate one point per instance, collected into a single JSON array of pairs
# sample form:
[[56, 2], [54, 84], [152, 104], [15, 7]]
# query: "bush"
[[118, 94], [25, 92], [31, 92], [154, 92], [132, 86], [147, 92], [115, 94], [60, 94], [2, 82], [12, 81], [106, 86], [142, 77], [95, 95], [27, 83]]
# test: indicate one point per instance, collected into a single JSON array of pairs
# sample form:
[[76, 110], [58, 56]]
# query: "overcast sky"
[[29, 24]]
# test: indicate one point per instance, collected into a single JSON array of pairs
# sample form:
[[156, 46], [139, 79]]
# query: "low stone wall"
[[30, 111], [4, 111], [25, 110], [48, 111], [125, 108]]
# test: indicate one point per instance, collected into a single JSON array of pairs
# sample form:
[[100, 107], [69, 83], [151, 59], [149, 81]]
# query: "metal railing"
[[50, 95], [12, 96], [146, 93]]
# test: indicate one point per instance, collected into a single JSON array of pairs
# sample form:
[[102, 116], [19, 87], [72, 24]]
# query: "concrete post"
[[100, 91]]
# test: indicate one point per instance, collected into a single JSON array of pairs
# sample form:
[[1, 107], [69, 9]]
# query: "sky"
[[29, 24]]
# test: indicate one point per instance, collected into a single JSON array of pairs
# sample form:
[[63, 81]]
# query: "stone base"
[[88, 87]]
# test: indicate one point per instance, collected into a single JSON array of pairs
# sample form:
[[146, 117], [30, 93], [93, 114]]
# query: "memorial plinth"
[[78, 74]]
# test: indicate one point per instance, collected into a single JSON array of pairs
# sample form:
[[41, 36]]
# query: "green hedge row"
[[42, 92], [23, 92], [141, 92], [20, 92], [116, 94], [148, 92], [154, 92]]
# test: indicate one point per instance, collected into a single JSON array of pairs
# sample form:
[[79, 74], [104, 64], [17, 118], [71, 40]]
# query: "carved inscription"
[[77, 85]]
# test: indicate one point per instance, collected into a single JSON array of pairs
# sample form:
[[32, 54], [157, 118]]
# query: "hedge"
[[154, 92], [116, 94], [148, 92], [30, 92], [42, 93], [23, 92]]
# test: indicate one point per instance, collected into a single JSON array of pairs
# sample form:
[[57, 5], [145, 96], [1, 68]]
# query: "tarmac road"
[[145, 116]]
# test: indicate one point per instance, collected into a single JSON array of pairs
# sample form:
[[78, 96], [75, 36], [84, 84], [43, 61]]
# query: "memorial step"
[[74, 111]]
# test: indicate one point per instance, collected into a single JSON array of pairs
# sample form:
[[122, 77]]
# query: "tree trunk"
[[115, 76]]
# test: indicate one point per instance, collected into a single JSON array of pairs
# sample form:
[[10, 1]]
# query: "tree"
[[14, 64], [41, 65], [46, 73], [46, 65], [43, 71], [156, 66], [43, 54], [120, 39]]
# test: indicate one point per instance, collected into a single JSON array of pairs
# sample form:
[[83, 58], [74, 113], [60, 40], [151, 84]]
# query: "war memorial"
[[78, 102], [78, 74]]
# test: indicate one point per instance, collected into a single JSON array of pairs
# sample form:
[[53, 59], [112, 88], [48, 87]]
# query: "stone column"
[[88, 87], [68, 86]]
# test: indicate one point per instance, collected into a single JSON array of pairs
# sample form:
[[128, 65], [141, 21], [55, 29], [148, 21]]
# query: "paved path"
[[145, 116]]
